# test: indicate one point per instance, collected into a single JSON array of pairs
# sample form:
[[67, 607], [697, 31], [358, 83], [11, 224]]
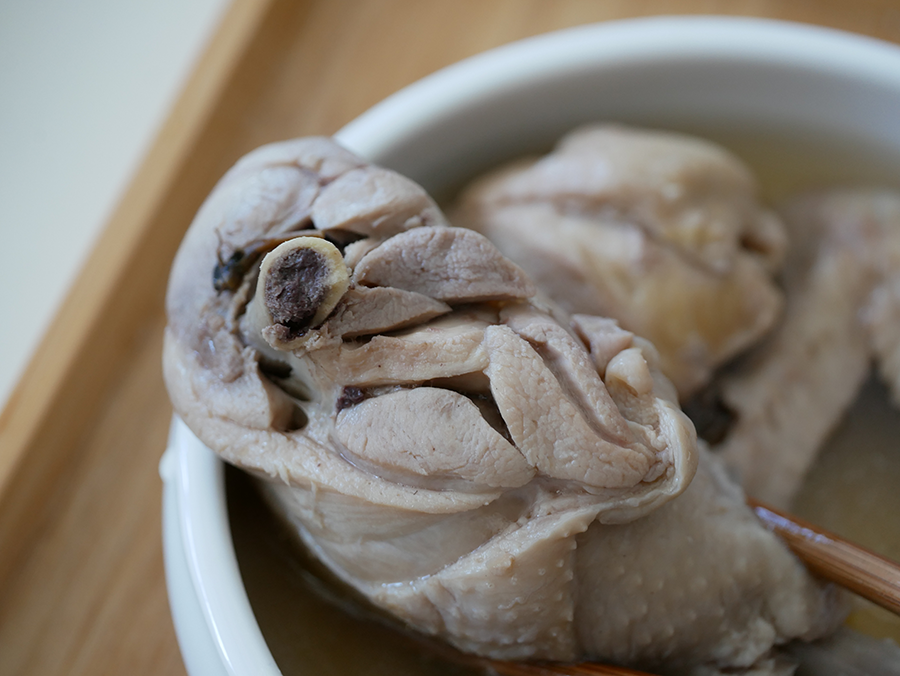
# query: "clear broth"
[[853, 490], [308, 626]]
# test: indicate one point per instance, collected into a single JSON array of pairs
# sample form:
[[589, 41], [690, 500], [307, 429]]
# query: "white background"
[[84, 87]]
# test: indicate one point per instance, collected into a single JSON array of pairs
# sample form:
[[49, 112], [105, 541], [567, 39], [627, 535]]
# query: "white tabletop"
[[84, 88]]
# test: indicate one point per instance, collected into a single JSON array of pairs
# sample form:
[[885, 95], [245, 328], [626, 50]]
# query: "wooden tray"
[[82, 589]]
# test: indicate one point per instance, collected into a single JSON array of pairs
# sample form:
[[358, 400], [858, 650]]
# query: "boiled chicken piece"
[[707, 586], [377, 433], [374, 201], [660, 231], [841, 282], [445, 348], [366, 311], [449, 264], [462, 457], [849, 652]]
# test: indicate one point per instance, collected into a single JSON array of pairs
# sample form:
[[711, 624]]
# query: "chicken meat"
[[661, 231], [471, 458], [842, 285]]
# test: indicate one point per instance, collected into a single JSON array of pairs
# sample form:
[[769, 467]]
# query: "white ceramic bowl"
[[687, 72]]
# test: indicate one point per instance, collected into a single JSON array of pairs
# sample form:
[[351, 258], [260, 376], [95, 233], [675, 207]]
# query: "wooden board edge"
[[31, 406]]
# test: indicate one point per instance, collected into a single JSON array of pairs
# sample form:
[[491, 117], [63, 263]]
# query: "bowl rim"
[[197, 536], [214, 622], [614, 44]]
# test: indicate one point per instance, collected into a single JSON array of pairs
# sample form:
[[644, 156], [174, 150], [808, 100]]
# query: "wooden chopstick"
[[861, 571]]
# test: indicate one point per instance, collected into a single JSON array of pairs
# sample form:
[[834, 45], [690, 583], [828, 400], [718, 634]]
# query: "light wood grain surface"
[[82, 589]]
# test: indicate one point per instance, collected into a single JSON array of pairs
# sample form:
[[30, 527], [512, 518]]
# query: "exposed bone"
[[300, 283]]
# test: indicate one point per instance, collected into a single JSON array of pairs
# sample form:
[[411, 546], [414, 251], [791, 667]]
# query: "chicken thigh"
[[470, 458], [659, 230]]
